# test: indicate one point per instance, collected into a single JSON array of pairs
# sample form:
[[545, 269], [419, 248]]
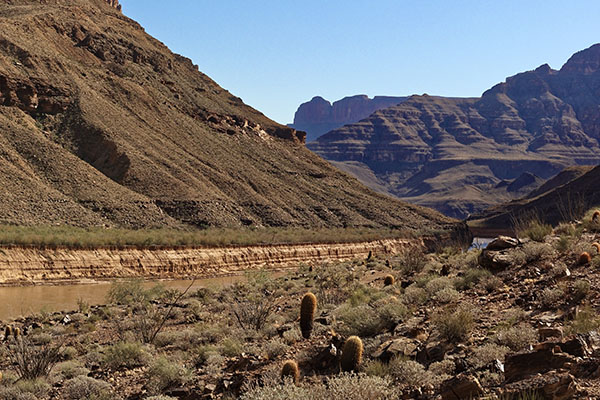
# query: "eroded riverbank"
[[31, 266]]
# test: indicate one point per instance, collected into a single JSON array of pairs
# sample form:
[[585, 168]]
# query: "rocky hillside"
[[319, 116], [565, 197], [518, 320], [103, 125], [452, 153]]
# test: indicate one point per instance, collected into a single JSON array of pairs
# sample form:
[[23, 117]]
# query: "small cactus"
[[351, 354], [307, 314], [597, 247], [8, 332], [290, 368], [17, 333], [584, 258], [388, 280], [596, 216]]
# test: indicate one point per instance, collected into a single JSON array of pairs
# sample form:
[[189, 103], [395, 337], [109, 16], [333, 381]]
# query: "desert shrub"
[[292, 336], [534, 229], [551, 298], [564, 243], [471, 277], [365, 320], [25, 390], [415, 295], [86, 388], [516, 337], [164, 374], [124, 355], [377, 368], [360, 321], [32, 361], [456, 326], [411, 261], [161, 397], [491, 283], [447, 295], [581, 288], [438, 284], [409, 373], [346, 386], [483, 355], [536, 251], [70, 369], [231, 347], [586, 320], [444, 368], [275, 348]]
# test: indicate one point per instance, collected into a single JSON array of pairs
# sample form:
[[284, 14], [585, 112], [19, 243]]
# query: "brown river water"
[[22, 301]]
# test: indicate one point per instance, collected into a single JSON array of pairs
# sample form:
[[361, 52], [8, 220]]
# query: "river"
[[27, 300]]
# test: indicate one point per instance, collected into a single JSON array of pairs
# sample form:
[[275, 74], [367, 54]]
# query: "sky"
[[277, 54]]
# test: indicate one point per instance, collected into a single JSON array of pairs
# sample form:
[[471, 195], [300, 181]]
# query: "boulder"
[[396, 347], [502, 243], [545, 358], [494, 260], [461, 387], [550, 386]]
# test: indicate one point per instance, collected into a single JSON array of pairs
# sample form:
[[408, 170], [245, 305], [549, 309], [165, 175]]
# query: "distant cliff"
[[458, 155], [319, 116]]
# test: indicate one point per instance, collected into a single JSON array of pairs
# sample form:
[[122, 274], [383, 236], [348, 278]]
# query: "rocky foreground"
[[518, 320]]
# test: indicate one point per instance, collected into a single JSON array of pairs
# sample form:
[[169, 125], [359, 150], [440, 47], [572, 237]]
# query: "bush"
[[86, 388], [25, 390], [408, 373], [551, 298], [33, 361], [535, 230], [581, 289], [484, 355], [454, 327], [124, 355], [517, 337], [164, 374], [340, 387], [585, 321], [70, 369], [471, 277]]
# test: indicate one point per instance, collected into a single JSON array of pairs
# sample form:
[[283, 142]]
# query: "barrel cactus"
[[352, 352], [290, 369], [307, 314]]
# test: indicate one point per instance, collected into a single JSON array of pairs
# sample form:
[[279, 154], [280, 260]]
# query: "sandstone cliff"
[[319, 116], [452, 153]]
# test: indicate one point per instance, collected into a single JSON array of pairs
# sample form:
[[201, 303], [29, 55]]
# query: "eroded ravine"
[[30, 265]]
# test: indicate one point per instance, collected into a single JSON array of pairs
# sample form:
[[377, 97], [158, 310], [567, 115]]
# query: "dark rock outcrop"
[[453, 153]]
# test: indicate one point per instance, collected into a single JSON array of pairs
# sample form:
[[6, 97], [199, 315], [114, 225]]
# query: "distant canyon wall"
[[319, 116]]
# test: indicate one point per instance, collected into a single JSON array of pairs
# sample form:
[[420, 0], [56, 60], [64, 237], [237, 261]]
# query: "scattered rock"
[[502, 243], [461, 387]]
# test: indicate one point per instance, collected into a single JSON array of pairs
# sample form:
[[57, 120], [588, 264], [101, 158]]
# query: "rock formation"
[[451, 153], [319, 116], [102, 125]]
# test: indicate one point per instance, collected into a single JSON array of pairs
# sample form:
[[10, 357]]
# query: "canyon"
[[461, 155]]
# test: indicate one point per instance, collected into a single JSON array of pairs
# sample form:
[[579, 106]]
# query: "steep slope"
[[102, 125], [561, 198], [319, 116], [452, 153]]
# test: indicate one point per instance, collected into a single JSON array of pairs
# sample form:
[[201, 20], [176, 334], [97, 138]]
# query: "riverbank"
[[32, 265]]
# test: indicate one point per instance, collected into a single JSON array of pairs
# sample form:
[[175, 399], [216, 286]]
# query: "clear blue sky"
[[276, 54]]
